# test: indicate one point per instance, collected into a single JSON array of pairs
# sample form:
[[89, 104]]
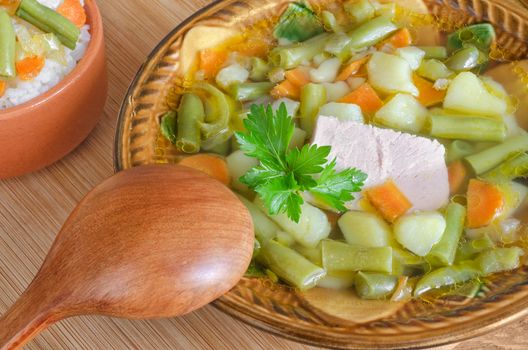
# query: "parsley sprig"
[[283, 174]]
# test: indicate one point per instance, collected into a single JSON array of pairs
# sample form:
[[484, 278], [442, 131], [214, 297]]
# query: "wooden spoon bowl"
[[150, 242]]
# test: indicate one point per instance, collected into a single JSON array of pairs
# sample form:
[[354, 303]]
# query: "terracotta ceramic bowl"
[[325, 317], [41, 131]]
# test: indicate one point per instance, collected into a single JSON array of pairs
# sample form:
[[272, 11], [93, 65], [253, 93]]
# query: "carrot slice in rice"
[[73, 11], [29, 68]]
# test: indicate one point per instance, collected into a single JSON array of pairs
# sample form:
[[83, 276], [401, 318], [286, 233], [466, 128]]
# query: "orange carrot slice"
[[3, 87], [388, 200], [402, 38], [73, 11], [286, 89], [457, 173], [429, 96], [352, 68], [29, 67], [484, 202], [365, 97], [211, 60], [213, 165], [298, 77]]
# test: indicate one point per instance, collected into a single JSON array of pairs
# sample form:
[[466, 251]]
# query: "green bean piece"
[[168, 126], [464, 59], [289, 265], [250, 91], [339, 256], [481, 35], [515, 167], [444, 252], [469, 249], [222, 149], [330, 22], [49, 21], [369, 33], [259, 69], [7, 46], [217, 143], [451, 126], [459, 149], [406, 263], [298, 23], [499, 259], [359, 11], [312, 254], [190, 115], [265, 228], [291, 56], [433, 69], [218, 108], [436, 52], [313, 96], [446, 276], [492, 157], [374, 285], [256, 248]]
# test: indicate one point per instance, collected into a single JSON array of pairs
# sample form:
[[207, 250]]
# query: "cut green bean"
[[492, 157], [444, 252], [433, 69], [190, 115], [446, 276], [459, 149], [168, 126], [313, 96], [259, 69], [265, 228], [368, 34], [49, 21], [7, 46], [218, 108], [338, 256], [330, 22], [469, 249], [374, 285], [511, 169], [499, 259], [437, 52], [289, 265], [464, 59], [312, 254], [250, 91], [406, 263], [451, 126], [291, 56], [359, 11]]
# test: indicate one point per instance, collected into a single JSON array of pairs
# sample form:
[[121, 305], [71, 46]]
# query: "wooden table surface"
[[33, 208]]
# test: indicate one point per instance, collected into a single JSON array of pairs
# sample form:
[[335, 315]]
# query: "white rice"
[[19, 91]]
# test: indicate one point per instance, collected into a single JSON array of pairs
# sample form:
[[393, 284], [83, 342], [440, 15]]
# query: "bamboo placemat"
[[33, 207]]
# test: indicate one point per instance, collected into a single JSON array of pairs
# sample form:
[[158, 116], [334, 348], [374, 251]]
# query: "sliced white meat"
[[416, 164]]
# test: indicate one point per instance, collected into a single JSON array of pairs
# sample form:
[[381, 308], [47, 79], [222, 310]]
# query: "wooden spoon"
[[150, 242]]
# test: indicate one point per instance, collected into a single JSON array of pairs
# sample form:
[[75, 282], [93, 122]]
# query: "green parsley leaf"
[[259, 175], [307, 161], [168, 126], [282, 195]]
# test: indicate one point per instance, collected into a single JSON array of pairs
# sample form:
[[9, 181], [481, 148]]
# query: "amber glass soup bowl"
[[37, 133], [328, 318]]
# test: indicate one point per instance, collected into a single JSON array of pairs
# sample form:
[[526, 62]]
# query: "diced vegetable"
[[250, 91], [265, 228], [231, 74], [291, 106], [73, 10], [313, 254], [481, 35], [190, 115], [446, 276], [468, 94], [299, 76], [365, 97], [285, 239], [286, 89], [390, 74], [465, 127], [516, 166], [167, 126], [359, 10], [336, 91], [464, 59], [298, 23], [493, 156], [291, 56], [259, 69], [211, 61], [420, 231], [369, 33], [3, 87], [485, 201], [428, 94], [437, 52], [239, 164], [433, 69], [402, 112], [338, 256], [342, 111], [412, 55], [444, 252], [407, 263], [326, 72], [364, 229], [374, 285], [401, 39], [298, 138], [468, 249], [458, 175], [459, 149], [352, 68], [499, 259], [212, 165], [330, 22], [290, 265], [7, 46], [313, 96], [29, 68], [337, 280], [388, 200]]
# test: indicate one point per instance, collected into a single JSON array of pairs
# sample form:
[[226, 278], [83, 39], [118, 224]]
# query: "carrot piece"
[[457, 174], [3, 87], [352, 68], [211, 60], [402, 38], [484, 202], [365, 97], [388, 200], [298, 77], [29, 67], [286, 89], [213, 165], [429, 96], [73, 11]]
